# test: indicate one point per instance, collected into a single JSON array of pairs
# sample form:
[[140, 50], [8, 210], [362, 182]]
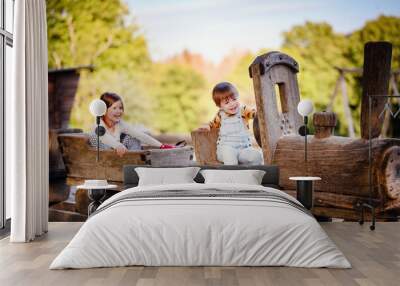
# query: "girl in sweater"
[[115, 127]]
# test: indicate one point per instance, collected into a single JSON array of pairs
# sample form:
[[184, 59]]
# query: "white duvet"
[[200, 231]]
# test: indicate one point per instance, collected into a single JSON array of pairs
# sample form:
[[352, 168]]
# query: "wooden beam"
[[334, 200], [205, 146], [267, 71], [348, 70], [376, 76], [333, 96], [342, 163], [346, 106], [324, 124]]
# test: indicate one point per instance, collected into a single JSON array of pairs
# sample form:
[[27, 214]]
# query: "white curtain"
[[27, 124]]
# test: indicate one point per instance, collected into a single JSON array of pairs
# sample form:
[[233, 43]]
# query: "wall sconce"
[[98, 108]]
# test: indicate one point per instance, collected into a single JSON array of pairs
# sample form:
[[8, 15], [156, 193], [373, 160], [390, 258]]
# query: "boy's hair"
[[222, 91]]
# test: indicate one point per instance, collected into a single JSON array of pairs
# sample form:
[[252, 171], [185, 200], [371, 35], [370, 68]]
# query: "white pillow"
[[248, 177], [165, 176]]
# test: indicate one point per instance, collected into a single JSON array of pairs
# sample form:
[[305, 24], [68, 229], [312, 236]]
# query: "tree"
[[384, 28], [239, 76], [318, 49], [179, 99], [82, 33]]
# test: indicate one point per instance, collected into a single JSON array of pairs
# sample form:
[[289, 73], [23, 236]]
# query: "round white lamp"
[[98, 108], [305, 108]]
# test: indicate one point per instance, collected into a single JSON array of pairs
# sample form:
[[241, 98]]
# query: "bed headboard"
[[270, 179]]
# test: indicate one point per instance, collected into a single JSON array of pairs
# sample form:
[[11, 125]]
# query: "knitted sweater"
[[112, 139]]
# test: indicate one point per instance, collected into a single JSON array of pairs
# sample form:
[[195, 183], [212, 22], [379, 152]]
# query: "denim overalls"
[[233, 131], [234, 143]]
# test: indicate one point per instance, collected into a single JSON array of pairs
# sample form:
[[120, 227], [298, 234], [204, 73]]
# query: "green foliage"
[[136, 97], [179, 99], [241, 79], [318, 49], [94, 32], [384, 28]]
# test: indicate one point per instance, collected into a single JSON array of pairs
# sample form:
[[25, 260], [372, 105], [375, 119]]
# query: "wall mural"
[[265, 110]]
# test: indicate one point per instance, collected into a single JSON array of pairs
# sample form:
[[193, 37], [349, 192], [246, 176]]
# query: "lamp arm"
[[305, 138], [98, 138], [100, 131]]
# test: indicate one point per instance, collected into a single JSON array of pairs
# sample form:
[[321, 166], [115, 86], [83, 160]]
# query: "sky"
[[214, 28]]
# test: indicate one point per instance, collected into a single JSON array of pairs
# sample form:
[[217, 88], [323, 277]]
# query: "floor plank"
[[375, 257]]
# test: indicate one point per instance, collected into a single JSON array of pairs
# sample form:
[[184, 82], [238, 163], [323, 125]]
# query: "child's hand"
[[121, 150], [204, 128]]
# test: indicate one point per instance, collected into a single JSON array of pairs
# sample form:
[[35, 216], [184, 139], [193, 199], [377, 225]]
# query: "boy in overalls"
[[234, 143]]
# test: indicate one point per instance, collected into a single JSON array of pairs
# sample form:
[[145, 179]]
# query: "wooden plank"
[[80, 159], [205, 146], [342, 163], [333, 200], [376, 76], [61, 89], [65, 215], [273, 124], [335, 92], [346, 107]]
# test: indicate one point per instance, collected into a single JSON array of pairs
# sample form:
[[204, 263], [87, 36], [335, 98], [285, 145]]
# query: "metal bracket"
[[364, 206]]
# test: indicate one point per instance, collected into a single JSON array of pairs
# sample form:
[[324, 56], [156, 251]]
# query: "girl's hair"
[[222, 91], [110, 98]]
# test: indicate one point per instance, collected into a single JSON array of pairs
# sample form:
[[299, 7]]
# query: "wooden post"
[[333, 96], [205, 146], [376, 76], [324, 123], [346, 106], [268, 70]]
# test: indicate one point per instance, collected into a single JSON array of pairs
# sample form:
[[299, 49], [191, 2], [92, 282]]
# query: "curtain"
[[27, 124]]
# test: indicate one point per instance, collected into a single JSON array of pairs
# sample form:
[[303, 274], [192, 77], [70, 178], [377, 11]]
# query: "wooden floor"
[[375, 257]]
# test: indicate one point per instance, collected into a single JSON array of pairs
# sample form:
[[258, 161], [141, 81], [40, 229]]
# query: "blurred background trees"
[[93, 32], [174, 95]]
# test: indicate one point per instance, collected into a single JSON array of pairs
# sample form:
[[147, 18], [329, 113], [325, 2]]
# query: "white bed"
[[184, 230]]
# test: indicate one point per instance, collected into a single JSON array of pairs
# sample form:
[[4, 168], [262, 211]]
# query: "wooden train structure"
[[341, 162]]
